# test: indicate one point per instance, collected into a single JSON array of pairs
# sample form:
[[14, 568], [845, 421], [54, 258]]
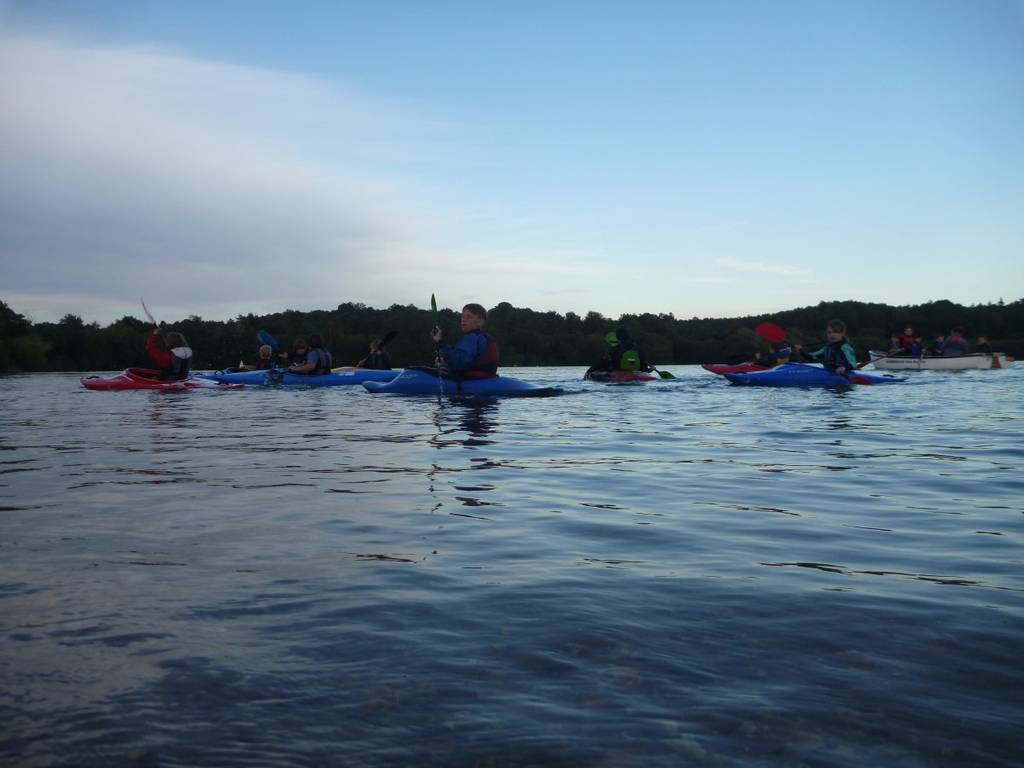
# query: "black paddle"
[[437, 345], [149, 314]]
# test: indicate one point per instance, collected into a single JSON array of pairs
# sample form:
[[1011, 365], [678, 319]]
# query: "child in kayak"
[[266, 362], [837, 355], [778, 353], [475, 356], [176, 360]]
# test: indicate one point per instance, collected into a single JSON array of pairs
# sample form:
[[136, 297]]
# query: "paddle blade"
[[665, 375], [771, 332], [388, 337], [433, 307], [270, 341]]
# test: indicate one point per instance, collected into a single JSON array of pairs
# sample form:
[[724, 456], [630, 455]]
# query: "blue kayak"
[[277, 377], [425, 381], [801, 375]]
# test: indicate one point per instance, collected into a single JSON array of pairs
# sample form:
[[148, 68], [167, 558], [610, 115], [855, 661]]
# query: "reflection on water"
[[465, 422], [681, 573]]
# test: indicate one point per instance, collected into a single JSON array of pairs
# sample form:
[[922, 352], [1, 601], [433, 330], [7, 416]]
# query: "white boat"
[[971, 361]]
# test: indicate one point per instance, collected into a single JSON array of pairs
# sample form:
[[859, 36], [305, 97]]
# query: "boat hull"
[[723, 368], [415, 381], [281, 378], [147, 378], [620, 377], [801, 375], [968, 362]]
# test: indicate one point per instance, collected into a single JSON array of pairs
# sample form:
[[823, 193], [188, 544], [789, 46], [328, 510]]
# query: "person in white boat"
[[983, 346], [955, 343], [907, 342]]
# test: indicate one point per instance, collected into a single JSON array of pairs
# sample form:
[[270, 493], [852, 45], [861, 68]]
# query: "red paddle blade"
[[771, 332]]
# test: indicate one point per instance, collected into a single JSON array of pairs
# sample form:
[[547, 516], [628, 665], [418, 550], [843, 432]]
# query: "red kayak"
[[620, 376], [722, 368], [147, 378]]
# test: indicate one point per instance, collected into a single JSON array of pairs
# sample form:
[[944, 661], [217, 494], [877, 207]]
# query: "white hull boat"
[[968, 362]]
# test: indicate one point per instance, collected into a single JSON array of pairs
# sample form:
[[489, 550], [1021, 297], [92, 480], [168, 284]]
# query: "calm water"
[[680, 573]]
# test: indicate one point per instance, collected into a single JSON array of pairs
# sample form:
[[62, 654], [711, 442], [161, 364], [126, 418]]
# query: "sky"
[[708, 159]]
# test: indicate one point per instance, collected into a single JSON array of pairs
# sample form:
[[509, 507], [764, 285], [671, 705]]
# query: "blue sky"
[[706, 159]]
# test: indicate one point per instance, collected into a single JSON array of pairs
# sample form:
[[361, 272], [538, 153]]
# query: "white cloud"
[[134, 172]]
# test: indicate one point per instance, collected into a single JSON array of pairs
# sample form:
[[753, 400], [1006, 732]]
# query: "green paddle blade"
[[665, 375]]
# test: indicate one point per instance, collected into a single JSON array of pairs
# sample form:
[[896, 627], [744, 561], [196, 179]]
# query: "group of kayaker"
[[475, 355]]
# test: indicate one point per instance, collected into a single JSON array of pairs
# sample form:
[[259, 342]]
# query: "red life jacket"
[[484, 366]]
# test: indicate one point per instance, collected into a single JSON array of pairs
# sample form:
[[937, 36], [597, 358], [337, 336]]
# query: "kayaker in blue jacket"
[[475, 356], [837, 355]]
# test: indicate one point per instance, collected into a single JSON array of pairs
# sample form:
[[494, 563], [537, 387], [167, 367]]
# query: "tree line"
[[525, 337]]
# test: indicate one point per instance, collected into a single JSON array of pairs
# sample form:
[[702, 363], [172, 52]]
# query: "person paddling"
[[174, 361], [623, 354], [837, 355], [475, 356], [377, 359], [778, 353]]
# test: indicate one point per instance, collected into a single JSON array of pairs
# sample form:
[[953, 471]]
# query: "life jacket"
[[625, 356], [954, 345], [630, 361], [834, 356], [485, 366], [181, 362], [324, 363]]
